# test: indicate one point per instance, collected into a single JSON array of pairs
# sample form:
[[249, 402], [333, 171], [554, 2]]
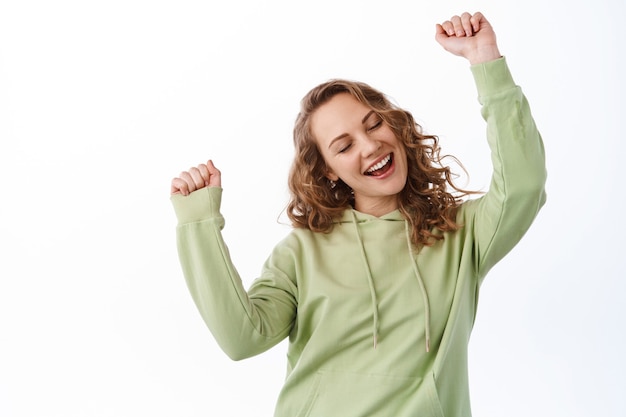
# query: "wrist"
[[484, 54], [200, 205]]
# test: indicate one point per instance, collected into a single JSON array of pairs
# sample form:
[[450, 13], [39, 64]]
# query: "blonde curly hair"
[[316, 202]]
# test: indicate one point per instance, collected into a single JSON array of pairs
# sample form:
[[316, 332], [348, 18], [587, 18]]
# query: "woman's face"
[[361, 149]]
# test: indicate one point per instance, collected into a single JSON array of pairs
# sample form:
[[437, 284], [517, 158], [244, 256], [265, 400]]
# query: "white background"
[[102, 103]]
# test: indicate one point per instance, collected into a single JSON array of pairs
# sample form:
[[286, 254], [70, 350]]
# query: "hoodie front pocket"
[[310, 400], [370, 395], [431, 388]]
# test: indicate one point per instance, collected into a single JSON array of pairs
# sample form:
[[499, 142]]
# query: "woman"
[[376, 286]]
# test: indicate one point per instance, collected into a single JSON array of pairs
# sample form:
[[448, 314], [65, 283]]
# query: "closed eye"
[[344, 148], [375, 126]]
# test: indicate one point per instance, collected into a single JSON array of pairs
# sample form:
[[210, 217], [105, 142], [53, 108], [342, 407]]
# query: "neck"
[[377, 208]]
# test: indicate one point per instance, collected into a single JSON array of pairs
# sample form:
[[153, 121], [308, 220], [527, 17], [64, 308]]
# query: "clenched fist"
[[204, 175], [469, 36]]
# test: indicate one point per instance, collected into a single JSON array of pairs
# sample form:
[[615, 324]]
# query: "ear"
[[332, 176]]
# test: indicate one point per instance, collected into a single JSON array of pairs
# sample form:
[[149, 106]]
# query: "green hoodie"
[[376, 328]]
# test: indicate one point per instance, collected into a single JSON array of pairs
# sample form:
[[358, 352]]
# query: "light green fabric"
[[334, 294]]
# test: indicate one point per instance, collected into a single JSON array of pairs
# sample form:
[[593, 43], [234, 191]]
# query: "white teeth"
[[380, 164]]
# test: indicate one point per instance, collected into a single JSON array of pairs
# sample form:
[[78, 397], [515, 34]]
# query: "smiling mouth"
[[381, 167]]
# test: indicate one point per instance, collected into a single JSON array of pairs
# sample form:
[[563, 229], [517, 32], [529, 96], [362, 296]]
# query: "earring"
[[333, 184]]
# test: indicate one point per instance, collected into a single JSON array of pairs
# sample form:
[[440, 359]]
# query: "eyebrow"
[[343, 135]]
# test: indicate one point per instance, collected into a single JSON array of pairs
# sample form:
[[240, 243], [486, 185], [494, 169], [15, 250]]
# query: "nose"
[[369, 146]]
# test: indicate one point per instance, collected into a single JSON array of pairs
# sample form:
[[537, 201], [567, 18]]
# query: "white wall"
[[102, 103]]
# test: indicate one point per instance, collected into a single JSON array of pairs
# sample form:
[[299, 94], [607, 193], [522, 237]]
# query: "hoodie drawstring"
[[370, 280], [422, 287]]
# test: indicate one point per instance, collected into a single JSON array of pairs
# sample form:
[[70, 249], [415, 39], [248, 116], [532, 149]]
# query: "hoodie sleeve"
[[500, 218], [244, 323]]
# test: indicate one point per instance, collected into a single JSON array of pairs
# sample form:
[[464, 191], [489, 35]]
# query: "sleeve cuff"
[[200, 205], [492, 77]]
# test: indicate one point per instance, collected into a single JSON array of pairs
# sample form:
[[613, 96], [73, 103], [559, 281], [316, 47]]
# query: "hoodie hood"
[[356, 218]]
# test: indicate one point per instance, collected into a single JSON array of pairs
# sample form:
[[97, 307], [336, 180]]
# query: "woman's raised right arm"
[[243, 323]]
